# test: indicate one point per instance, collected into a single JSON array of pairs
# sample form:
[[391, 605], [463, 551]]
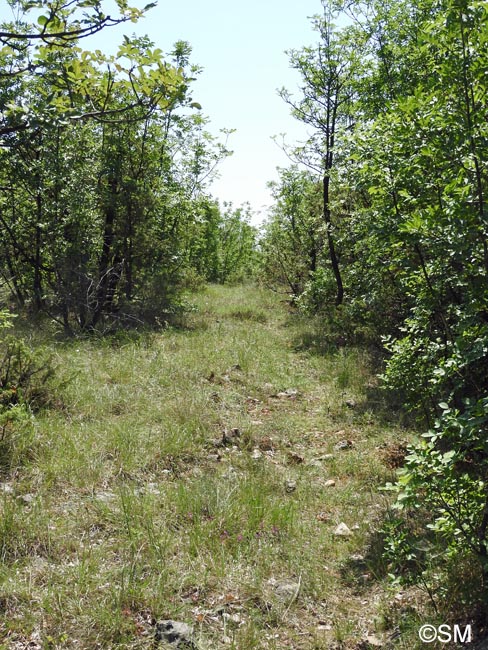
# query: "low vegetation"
[[199, 474]]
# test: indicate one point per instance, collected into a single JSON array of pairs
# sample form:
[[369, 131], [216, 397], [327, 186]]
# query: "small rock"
[[6, 488], [325, 457], [294, 459], [290, 393], [285, 590], [256, 454], [315, 463], [323, 516], [350, 403], [231, 436], [290, 486], [180, 634], [342, 530], [26, 498], [232, 618], [266, 444], [330, 483], [214, 457], [343, 444], [374, 641], [105, 495], [252, 401]]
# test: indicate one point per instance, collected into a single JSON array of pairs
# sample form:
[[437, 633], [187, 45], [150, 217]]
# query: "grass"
[[125, 506]]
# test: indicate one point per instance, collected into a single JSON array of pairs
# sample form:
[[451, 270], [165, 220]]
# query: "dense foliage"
[[104, 165], [408, 215]]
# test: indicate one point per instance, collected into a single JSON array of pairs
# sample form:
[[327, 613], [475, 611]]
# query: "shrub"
[[24, 387], [446, 475]]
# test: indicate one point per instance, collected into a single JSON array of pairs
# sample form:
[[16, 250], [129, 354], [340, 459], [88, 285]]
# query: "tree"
[[97, 190], [329, 74], [293, 238], [421, 162]]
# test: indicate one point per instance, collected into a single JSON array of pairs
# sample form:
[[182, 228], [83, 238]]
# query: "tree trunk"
[[330, 241], [105, 268]]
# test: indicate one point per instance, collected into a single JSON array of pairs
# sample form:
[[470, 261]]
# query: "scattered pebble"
[[330, 483], [26, 498], [374, 641], [342, 530], [266, 444], [294, 459], [232, 618], [175, 632], [290, 393], [325, 457], [231, 436], [343, 444], [290, 486], [285, 590]]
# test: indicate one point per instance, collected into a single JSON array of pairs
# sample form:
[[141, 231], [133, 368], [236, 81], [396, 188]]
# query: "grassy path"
[[199, 475]]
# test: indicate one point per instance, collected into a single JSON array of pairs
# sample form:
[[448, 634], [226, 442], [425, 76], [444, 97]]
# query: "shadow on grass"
[[319, 337], [433, 586]]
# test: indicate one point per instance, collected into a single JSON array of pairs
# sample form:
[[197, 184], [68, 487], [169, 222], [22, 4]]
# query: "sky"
[[241, 48]]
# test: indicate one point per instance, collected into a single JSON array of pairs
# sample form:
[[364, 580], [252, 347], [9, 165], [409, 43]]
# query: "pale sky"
[[241, 48]]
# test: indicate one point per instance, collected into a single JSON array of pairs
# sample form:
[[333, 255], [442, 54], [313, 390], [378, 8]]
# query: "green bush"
[[446, 476], [25, 386]]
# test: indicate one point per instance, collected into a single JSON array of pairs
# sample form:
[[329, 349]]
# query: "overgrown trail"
[[200, 475]]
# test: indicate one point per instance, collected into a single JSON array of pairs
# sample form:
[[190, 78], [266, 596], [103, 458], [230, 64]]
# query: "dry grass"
[[126, 506]]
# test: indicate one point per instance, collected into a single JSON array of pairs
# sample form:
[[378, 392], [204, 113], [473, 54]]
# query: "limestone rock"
[[290, 486], [342, 530], [177, 633], [343, 444]]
